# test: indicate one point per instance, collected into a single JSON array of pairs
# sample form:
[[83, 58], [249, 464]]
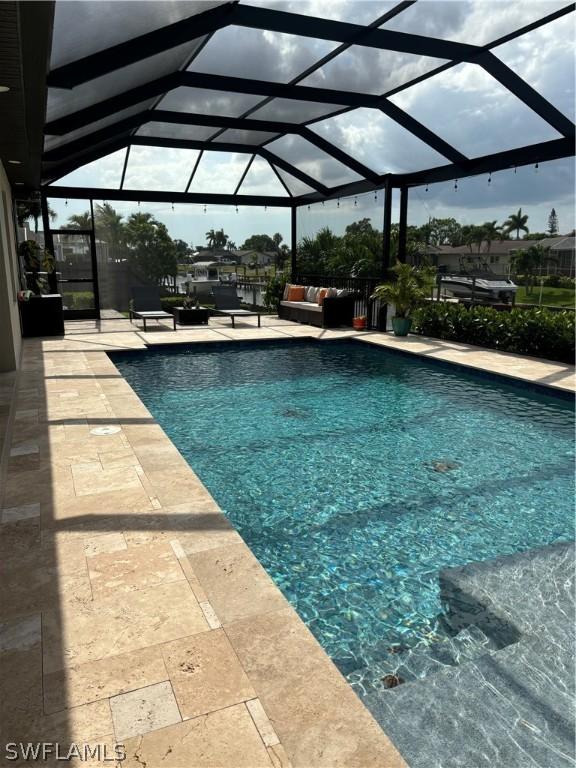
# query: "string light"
[[172, 206], [426, 190], [66, 203], [138, 203], [308, 207], [236, 209], [536, 168], [355, 202], [204, 209], [490, 177], [515, 169], [338, 203], [322, 203], [375, 195], [265, 207], [456, 184]]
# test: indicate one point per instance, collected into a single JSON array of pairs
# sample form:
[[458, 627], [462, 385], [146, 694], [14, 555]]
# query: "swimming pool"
[[355, 474]]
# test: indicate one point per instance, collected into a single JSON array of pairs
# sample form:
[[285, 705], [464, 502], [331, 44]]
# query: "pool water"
[[356, 474]]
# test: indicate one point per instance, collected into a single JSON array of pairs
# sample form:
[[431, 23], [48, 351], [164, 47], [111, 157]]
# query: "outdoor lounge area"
[[247, 518]]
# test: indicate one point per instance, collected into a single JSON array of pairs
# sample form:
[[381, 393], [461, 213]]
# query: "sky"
[[464, 105]]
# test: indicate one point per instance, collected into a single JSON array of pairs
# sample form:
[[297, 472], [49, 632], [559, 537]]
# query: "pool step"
[[423, 660]]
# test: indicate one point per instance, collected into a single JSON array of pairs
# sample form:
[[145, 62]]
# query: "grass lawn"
[[555, 297]]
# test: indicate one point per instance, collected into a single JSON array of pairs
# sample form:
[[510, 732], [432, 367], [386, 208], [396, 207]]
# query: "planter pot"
[[401, 325], [359, 323], [42, 316]]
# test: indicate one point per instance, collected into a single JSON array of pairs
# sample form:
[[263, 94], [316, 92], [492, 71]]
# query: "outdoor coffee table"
[[234, 313], [153, 315]]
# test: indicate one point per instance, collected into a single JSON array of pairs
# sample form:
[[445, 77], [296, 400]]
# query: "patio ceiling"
[[268, 100]]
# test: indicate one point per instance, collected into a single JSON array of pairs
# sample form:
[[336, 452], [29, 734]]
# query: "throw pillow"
[[322, 295], [296, 293], [312, 294]]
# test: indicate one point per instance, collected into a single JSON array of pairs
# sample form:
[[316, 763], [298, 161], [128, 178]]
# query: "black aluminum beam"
[[279, 177], [338, 154], [344, 32], [244, 174], [193, 27], [121, 55], [296, 172], [403, 224], [154, 196], [527, 94], [529, 155]]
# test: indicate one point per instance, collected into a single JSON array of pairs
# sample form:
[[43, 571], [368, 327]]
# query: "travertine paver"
[[112, 573], [122, 582], [235, 582], [81, 632], [227, 738], [101, 679], [144, 710], [205, 673]]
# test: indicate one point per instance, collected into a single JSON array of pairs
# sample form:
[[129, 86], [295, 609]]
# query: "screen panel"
[[368, 70], [219, 172], [207, 102], [378, 141], [82, 28], [237, 136], [176, 131], [261, 180], [161, 168], [308, 158], [476, 22], [105, 172], [293, 111], [258, 54]]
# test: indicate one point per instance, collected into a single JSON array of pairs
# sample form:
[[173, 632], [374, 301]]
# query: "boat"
[[483, 288]]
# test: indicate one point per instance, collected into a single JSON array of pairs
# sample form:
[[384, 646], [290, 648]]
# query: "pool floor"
[[355, 475]]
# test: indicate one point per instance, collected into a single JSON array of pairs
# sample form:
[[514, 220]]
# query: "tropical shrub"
[[536, 332], [78, 300], [273, 292], [411, 286]]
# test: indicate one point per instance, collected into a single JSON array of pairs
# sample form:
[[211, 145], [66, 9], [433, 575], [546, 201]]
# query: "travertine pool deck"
[[131, 611]]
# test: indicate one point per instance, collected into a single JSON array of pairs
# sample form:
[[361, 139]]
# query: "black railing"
[[361, 287]]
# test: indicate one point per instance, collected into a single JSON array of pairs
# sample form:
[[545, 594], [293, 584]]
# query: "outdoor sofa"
[[322, 307]]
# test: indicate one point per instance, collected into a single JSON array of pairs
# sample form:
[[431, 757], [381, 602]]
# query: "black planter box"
[[42, 316], [191, 316]]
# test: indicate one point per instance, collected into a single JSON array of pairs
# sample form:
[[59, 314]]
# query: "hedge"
[[535, 332], [78, 300]]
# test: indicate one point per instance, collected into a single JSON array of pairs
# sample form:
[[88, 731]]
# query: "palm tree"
[[492, 231], [110, 227], [516, 222], [211, 238], [32, 209], [80, 221]]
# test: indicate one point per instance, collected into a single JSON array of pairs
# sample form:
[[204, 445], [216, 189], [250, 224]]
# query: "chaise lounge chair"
[[227, 303], [145, 305]]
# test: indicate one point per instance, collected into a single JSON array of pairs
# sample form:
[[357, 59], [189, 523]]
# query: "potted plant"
[[41, 311], [411, 287]]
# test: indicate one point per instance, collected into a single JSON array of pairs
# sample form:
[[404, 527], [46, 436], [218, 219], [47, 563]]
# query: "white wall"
[[10, 337]]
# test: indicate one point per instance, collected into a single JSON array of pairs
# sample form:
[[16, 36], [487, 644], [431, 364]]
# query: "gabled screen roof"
[[269, 100]]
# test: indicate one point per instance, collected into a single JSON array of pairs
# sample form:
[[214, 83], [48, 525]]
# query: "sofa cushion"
[[286, 291], [332, 292], [312, 294], [322, 293], [296, 293], [302, 305]]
